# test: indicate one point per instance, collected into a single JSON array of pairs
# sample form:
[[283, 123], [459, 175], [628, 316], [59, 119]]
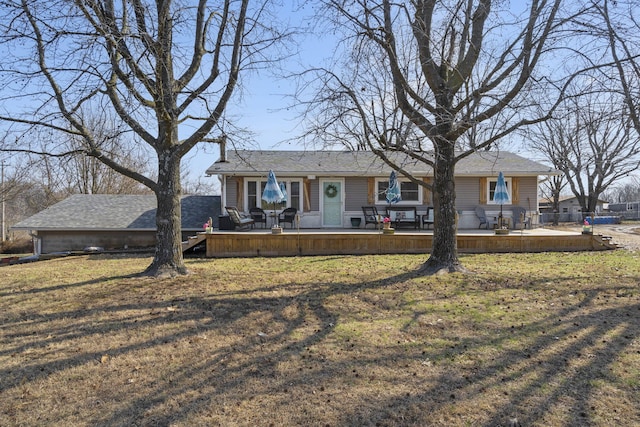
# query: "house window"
[[409, 191], [294, 194], [254, 196], [491, 190]]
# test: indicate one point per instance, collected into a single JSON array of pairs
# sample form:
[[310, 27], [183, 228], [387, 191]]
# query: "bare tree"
[[435, 81], [166, 68], [551, 190], [594, 144], [88, 175], [627, 192], [612, 29], [620, 31], [199, 186], [17, 193]]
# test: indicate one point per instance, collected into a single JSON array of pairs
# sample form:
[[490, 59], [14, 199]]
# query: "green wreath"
[[331, 191]]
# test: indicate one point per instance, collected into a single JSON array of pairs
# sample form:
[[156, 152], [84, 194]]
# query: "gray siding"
[[356, 193], [314, 197], [529, 193], [467, 193]]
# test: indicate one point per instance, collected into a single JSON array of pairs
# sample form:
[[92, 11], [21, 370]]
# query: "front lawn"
[[550, 339]]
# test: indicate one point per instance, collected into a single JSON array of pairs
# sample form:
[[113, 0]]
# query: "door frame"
[[342, 199]]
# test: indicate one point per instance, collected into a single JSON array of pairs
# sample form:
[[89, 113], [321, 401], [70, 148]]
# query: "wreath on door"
[[331, 191]]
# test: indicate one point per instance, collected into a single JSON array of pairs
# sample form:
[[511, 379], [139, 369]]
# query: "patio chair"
[[371, 215], [259, 216], [238, 219], [427, 219], [288, 215], [482, 216], [520, 212]]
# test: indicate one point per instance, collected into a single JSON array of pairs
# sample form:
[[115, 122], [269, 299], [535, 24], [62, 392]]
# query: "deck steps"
[[605, 241], [193, 241]]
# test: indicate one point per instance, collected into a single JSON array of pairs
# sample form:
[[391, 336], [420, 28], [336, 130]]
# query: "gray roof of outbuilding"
[[117, 212], [366, 163]]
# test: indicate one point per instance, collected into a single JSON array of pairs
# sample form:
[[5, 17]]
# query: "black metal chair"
[[288, 215], [427, 219], [371, 215], [259, 216]]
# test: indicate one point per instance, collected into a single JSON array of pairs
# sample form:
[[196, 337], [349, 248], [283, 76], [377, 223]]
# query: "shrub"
[[20, 245]]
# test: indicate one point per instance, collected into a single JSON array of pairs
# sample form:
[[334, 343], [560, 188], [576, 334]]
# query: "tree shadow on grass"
[[262, 357], [567, 354]]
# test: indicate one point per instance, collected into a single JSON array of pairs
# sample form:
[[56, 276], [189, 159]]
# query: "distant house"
[[110, 221], [627, 210], [330, 187], [569, 209]]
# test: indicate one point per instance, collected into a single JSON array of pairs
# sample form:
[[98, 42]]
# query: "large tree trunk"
[[556, 207], [444, 252], [168, 260], [592, 203]]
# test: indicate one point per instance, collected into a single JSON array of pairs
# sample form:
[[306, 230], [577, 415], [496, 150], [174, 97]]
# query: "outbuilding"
[[110, 221]]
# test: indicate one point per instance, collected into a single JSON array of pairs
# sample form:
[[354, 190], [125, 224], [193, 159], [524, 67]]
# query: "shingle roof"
[[117, 212], [365, 163]]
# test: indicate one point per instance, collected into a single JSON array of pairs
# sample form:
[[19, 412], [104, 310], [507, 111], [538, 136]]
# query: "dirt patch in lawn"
[[549, 339]]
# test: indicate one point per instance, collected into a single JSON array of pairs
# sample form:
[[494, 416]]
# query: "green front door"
[[332, 201]]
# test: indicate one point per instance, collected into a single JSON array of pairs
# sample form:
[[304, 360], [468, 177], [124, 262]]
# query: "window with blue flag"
[[491, 191], [409, 191]]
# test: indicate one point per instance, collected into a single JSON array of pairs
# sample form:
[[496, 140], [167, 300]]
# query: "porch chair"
[[238, 219], [371, 215], [288, 215], [482, 216], [427, 219], [259, 216], [520, 212]]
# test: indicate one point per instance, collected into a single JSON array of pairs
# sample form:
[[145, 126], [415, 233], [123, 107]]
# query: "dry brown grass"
[[552, 339]]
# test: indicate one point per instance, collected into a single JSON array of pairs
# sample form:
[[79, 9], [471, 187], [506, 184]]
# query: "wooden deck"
[[360, 242]]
